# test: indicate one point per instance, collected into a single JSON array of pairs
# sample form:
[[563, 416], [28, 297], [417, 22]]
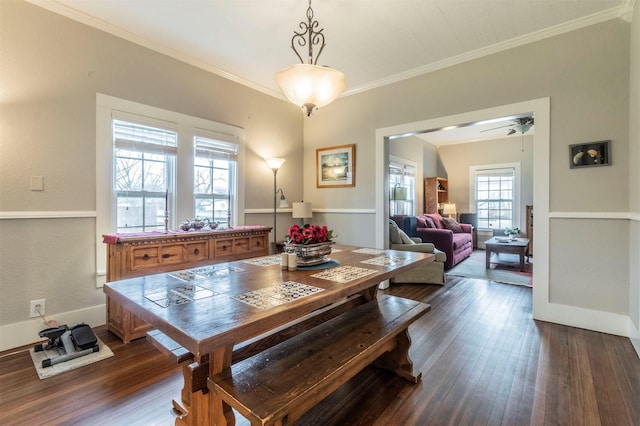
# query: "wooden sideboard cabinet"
[[156, 252]]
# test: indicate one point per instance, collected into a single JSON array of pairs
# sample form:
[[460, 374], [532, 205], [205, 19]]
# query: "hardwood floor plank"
[[484, 360]]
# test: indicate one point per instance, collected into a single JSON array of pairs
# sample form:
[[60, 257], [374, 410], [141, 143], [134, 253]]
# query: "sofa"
[[454, 239], [431, 273]]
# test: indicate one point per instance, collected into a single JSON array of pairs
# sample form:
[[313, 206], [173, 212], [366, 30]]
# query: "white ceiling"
[[374, 42]]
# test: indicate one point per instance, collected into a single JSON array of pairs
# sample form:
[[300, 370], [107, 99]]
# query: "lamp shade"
[[400, 193], [449, 209], [302, 210], [311, 86], [275, 163]]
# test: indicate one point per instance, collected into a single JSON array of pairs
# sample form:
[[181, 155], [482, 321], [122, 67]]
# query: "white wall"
[[457, 159], [585, 76], [52, 68]]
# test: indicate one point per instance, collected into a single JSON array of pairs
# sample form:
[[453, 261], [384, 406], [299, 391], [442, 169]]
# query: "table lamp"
[[449, 209], [302, 211]]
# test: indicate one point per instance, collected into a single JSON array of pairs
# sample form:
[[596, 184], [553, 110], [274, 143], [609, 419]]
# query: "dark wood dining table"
[[229, 311]]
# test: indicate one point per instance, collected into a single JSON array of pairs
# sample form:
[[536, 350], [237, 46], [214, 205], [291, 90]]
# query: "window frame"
[[181, 201], [517, 190], [216, 147], [411, 190]]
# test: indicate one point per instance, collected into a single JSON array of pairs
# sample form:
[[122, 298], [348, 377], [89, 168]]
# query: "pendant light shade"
[[310, 86]]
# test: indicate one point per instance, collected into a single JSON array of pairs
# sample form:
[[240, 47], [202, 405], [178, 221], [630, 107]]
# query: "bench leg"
[[398, 360]]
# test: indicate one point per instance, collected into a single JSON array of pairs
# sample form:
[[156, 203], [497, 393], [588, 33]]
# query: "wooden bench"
[[280, 384], [168, 346]]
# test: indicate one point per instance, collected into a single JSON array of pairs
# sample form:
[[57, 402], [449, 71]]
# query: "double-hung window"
[[496, 195], [144, 166], [402, 186], [150, 161], [214, 176]]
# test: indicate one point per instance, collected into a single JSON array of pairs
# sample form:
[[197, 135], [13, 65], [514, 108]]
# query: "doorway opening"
[[541, 109]]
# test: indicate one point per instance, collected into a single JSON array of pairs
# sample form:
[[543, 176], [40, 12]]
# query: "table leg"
[[522, 260], [220, 413], [199, 406], [488, 257]]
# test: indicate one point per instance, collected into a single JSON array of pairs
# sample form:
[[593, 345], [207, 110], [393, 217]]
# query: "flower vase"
[[310, 254]]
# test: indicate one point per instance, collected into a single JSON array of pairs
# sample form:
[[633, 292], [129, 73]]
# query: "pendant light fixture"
[[309, 85]]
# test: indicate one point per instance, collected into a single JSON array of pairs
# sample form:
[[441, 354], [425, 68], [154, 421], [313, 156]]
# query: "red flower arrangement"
[[309, 234]]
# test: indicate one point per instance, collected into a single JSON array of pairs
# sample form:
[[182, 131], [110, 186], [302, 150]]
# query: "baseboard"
[[634, 336], [26, 332], [589, 319]]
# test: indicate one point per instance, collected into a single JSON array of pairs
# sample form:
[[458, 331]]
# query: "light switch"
[[37, 183]]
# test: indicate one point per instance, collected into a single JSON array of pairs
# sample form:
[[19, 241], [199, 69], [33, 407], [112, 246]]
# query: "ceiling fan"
[[519, 125]]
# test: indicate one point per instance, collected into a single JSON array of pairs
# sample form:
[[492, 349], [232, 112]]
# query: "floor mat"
[[475, 267], [46, 372]]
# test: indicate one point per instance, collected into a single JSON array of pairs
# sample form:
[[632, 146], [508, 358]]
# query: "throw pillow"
[[421, 222], [404, 237], [436, 219], [451, 224], [429, 222], [394, 236]]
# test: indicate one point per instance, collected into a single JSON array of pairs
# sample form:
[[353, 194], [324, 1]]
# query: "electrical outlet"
[[36, 308]]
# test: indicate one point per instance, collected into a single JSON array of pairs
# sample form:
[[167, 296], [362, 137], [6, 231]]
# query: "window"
[[402, 186], [496, 195], [147, 161], [214, 177], [144, 163]]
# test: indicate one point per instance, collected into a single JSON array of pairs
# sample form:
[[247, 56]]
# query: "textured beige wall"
[[585, 74], [51, 69], [457, 158], [424, 154]]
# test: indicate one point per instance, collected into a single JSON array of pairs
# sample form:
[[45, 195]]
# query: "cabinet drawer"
[[172, 254], [145, 257], [197, 251], [241, 245], [258, 243], [224, 247]]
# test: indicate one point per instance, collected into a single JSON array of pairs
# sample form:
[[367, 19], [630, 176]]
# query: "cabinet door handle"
[[196, 251], [224, 248], [146, 256], [166, 255]]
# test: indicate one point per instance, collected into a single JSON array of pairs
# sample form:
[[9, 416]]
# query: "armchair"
[[432, 273]]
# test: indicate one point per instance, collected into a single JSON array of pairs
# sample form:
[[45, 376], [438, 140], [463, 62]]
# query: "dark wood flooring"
[[484, 362]]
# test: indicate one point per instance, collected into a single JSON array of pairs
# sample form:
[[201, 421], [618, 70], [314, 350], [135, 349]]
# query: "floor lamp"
[[275, 164], [399, 194]]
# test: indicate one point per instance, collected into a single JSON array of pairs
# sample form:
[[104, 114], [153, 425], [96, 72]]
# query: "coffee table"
[[519, 246]]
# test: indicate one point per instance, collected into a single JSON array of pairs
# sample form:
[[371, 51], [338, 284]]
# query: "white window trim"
[[106, 107], [404, 161], [516, 186]]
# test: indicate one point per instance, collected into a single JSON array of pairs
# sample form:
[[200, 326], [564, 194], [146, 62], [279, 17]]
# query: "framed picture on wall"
[[590, 154], [336, 166]]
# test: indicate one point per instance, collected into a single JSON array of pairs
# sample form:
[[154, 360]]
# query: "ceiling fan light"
[[311, 86]]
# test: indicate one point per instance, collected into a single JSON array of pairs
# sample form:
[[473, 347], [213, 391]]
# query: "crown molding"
[[74, 14], [624, 11], [564, 28]]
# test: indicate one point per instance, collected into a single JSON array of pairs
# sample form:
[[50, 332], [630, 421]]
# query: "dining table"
[[224, 312]]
